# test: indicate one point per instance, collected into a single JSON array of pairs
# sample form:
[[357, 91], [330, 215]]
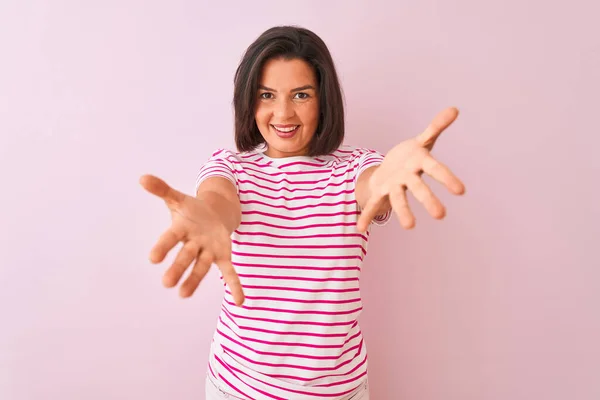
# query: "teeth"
[[286, 129]]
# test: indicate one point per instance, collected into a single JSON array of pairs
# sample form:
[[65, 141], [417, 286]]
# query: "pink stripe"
[[219, 161], [344, 164], [262, 171], [317, 215], [383, 216], [303, 392], [289, 344], [283, 299], [297, 257], [211, 371], [281, 246], [275, 354], [347, 165], [371, 154], [213, 171], [367, 164], [249, 328], [241, 163], [322, 235], [300, 163], [222, 378], [297, 278], [357, 377], [281, 310], [297, 227], [297, 197], [272, 173], [215, 167], [286, 322], [248, 156], [339, 203], [244, 170], [302, 289], [354, 268], [298, 378], [291, 366], [236, 389], [297, 189], [284, 180], [236, 162]]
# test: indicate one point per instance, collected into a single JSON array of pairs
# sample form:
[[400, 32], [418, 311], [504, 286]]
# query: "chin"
[[293, 149]]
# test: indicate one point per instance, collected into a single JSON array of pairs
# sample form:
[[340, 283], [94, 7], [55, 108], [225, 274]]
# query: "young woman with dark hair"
[[287, 218]]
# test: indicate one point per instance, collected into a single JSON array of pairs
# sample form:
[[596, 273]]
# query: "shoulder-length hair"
[[289, 42]]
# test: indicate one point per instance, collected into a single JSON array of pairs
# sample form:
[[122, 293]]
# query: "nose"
[[284, 110]]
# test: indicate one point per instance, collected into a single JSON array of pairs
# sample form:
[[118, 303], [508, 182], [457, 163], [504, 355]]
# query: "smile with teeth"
[[285, 129]]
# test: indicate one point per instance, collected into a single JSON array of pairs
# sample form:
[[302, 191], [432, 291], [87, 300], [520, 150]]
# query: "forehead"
[[281, 74]]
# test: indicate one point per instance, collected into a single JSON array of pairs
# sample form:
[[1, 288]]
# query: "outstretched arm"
[[384, 186]]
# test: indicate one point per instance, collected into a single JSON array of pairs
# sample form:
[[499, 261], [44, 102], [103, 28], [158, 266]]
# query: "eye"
[[266, 95], [302, 95]]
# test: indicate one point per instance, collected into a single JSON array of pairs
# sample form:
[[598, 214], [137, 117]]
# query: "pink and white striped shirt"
[[298, 256]]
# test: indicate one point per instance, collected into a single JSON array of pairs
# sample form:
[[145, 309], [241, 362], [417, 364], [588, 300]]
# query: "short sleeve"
[[371, 158], [219, 164]]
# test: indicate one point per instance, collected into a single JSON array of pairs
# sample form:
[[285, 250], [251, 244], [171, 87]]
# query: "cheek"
[[310, 114], [261, 116]]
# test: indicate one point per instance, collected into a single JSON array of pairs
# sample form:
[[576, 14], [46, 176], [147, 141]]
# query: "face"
[[287, 110]]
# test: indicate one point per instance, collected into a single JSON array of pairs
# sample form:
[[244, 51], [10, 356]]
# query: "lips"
[[285, 131]]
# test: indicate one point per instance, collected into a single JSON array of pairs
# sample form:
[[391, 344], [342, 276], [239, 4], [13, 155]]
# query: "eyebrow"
[[298, 89]]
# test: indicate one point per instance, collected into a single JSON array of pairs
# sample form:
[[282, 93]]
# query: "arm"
[[221, 197], [362, 191], [401, 170]]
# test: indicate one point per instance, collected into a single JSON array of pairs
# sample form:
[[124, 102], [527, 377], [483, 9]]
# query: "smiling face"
[[287, 108]]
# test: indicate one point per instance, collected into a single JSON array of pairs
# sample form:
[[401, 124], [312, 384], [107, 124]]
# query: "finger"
[[399, 202], [369, 212], [441, 121], [184, 258], [423, 194], [165, 243], [232, 280], [443, 175], [201, 267], [160, 188]]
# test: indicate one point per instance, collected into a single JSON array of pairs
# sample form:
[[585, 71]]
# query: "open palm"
[[401, 170], [205, 240]]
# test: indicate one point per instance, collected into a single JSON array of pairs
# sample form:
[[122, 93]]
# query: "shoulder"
[[231, 157], [223, 161], [224, 154], [349, 153]]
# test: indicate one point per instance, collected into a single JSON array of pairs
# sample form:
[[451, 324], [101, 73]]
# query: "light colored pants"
[[214, 392]]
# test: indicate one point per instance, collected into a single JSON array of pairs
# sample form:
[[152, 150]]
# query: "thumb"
[[441, 121], [160, 188], [369, 212]]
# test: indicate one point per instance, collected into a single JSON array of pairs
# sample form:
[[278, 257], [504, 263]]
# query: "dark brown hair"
[[289, 42]]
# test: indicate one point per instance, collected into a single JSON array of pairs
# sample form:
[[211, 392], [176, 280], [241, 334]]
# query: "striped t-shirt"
[[298, 255]]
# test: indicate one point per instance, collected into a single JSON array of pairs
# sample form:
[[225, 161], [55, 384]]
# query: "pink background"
[[499, 301]]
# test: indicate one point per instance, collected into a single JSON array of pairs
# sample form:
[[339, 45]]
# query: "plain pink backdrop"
[[499, 301]]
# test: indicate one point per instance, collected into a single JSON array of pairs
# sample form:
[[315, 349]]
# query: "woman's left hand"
[[401, 169]]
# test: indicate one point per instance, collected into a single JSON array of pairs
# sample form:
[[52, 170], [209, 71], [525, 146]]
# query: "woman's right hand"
[[205, 240]]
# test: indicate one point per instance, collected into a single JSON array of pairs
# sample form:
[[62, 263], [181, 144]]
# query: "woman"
[[286, 219]]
